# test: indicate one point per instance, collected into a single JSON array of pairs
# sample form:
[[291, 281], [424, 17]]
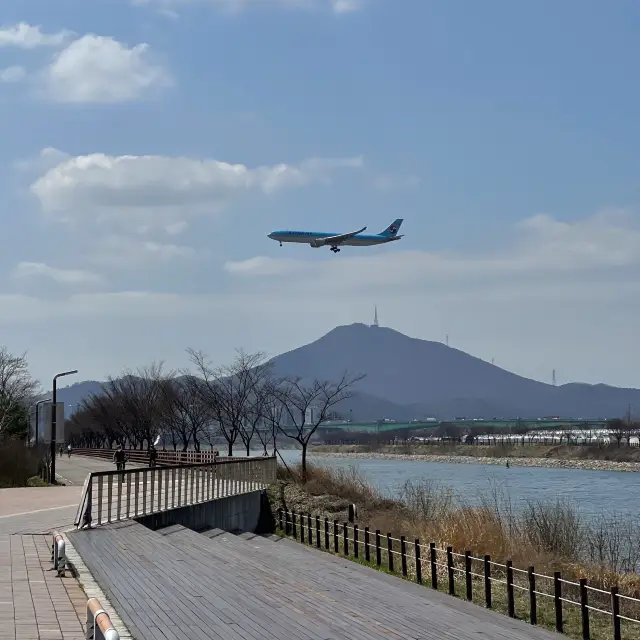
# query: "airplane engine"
[[316, 244]]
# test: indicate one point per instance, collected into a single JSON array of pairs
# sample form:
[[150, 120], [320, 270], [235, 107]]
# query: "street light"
[[37, 404], [53, 422]]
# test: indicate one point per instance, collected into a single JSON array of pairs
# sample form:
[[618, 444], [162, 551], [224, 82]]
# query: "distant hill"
[[408, 378], [430, 378]]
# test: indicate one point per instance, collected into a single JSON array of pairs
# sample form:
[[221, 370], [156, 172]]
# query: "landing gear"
[[335, 249], [281, 244]]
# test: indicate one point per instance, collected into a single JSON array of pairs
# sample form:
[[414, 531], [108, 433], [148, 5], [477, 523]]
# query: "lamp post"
[[53, 422], [37, 404]]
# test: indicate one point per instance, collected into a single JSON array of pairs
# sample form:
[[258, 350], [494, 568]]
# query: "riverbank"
[[548, 534], [548, 457]]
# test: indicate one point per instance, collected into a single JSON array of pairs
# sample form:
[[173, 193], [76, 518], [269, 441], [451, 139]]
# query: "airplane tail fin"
[[393, 228]]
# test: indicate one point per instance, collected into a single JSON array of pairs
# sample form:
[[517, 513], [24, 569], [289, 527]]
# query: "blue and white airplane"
[[335, 241]]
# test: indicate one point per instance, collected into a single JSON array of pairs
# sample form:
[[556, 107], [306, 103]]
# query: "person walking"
[[153, 456], [120, 459], [69, 450]]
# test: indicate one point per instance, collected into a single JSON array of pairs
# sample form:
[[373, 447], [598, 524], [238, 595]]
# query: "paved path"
[[181, 585], [34, 602]]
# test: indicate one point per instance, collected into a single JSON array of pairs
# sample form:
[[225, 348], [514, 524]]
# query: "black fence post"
[[293, 524], [280, 519], [467, 575], [378, 550], [367, 551], [615, 613], [310, 528], [345, 538], [403, 556], [533, 608], [434, 567], [336, 545], [511, 605], [584, 609], [390, 552], [318, 545], [451, 575], [302, 528], [557, 602], [327, 544], [418, 562], [487, 581]]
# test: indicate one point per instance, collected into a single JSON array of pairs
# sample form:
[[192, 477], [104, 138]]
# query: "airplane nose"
[[270, 235]]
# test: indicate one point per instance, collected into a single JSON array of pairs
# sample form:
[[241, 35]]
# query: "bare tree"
[[260, 389], [308, 406], [273, 412], [184, 412], [138, 400], [621, 429], [227, 390], [17, 390]]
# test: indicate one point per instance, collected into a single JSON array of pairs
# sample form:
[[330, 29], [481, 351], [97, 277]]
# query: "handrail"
[[122, 494], [99, 625]]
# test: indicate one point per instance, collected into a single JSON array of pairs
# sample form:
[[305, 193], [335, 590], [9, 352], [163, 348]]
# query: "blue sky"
[[149, 146]]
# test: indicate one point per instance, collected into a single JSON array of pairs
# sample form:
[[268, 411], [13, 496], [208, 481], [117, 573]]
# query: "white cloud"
[[13, 74], [545, 250], [26, 36], [48, 158], [100, 69], [157, 192], [123, 252], [31, 270], [235, 6]]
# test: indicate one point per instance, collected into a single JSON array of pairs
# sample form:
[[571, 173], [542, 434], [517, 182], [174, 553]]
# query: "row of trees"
[[17, 392], [241, 403]]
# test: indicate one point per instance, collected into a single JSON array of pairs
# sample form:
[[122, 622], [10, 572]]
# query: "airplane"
[[335, 241]]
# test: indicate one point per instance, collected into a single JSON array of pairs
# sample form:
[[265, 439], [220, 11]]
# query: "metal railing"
[[59, 554], [164, 458], [519, 591], [111, 496], [99, 625]]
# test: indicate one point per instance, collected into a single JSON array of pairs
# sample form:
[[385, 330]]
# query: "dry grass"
[[609, 452], [551, 536], [18, 463]]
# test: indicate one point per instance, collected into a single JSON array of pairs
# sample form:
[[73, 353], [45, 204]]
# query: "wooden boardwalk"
[[176, 584]]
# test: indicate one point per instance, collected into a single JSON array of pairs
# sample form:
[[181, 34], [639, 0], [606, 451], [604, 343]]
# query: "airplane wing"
[[342, 237]]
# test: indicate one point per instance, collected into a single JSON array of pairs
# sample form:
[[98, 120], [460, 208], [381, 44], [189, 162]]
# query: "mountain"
[[408, 378], [431, 378]]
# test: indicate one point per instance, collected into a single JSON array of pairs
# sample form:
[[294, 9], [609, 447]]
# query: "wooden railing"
[[110, 496], [164, 458], [572, 607]]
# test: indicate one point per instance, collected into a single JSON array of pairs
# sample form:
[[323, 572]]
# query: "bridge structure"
[[186, 552]]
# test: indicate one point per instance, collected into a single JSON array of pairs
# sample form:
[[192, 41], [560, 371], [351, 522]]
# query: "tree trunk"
[[248, 447], [304, 461]]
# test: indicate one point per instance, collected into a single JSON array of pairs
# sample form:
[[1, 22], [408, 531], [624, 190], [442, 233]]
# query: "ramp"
[[180, 584]]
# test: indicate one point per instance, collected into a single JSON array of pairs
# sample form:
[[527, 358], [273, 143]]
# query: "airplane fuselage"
[[307, 237]]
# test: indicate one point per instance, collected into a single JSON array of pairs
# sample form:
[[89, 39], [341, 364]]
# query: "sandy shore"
[[552, 463]]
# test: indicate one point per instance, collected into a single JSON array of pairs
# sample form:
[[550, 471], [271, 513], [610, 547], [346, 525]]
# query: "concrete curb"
[[92, 589]]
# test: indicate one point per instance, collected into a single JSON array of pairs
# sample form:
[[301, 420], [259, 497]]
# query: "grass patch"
[[551, 536]]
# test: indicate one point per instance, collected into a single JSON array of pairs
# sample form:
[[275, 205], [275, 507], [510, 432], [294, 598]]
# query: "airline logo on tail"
[[393, 228]]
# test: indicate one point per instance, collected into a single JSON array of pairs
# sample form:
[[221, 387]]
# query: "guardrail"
[[111, 496], [59, 554], [520, 590], [164, 458], [99, 625]]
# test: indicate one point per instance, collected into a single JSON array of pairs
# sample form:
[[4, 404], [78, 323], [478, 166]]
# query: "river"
[[593, 492]]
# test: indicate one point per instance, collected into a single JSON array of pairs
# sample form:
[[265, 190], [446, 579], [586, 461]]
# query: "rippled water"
[[594, 492]]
